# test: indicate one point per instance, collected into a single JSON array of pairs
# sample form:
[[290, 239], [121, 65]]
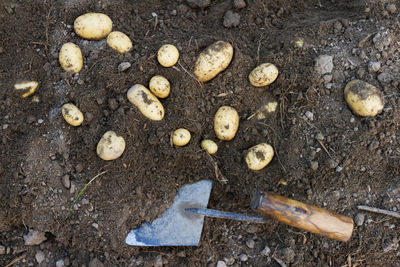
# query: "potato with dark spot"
[[181, 137], [93, 26], [213, 60], [263, 75], [120, 42], [70, 58], [226, 123], [72, 114], [111, 146], [259, 156], [146, 102], [210, 146], [167, 55], [27, 87], [160, 86], [363, 98]]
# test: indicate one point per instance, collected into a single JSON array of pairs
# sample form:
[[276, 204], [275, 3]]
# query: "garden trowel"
[[182, 223]]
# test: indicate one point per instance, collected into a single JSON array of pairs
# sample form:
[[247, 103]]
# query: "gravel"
[[221, 264], [243, 257], [359, 219], [231, 19], [239, 4], [314, 165], [39, 256], [34, 238], [2, 250], [331, 163], [250, 243], [374, 66], [124, 66], [324, 64], [266, 251], [385, 77], [66, 181]]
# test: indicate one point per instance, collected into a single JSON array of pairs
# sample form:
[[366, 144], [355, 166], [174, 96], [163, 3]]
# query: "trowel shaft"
[[228, 215]]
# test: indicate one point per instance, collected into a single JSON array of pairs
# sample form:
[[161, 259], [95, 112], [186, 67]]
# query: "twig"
[[280, 262], [381, 211], [258, 49], [16, 260], [218, 174], [190, 74], [324, 147], [276, 151]]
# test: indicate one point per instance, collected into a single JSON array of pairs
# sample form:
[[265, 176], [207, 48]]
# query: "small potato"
[[111, 146], [28, 87], [259, 156], [181, 137], [264, 110], [146, 102], [119, 41], [363, 98], [93, 26], [167, 55], [226, 123], [213, 60], [263, 75], [159, 86], [72, 114], [70, 58], [210, 146]]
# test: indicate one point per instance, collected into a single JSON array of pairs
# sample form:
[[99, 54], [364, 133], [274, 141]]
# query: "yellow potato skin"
[[160, 86], [259, 156], [70, 58], [72, 114], [363, 98], [167, 55], [226, 123], [181, 137], [210, 146], [111, 146], [146, 102], [28, 86], [263, 75], [119, 41], [213, 60], [93, 26]]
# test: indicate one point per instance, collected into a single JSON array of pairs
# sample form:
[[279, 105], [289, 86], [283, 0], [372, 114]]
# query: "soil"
[[325, 155]]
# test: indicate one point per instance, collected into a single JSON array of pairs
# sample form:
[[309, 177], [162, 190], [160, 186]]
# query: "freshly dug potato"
[[111, 146], [259, 156], [264, 110], [181, 137], [263, 75], [93, 26], [70, 58], [146, 102], [210, 146], [72, 114], [213, 60], [168, 55], [226, 123], [160, 86], [363, 98], [28, 87], [119, 41]]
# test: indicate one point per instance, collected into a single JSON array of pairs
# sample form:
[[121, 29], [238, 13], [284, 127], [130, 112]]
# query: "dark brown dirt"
[[38, 147]]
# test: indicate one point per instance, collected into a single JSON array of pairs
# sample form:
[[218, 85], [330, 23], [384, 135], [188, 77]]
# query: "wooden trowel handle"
[[310, 218]]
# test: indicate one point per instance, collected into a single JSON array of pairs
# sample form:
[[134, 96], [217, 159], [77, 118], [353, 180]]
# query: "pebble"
[[39, 256], [266, 251], [320, 137], [112, 104], [337, 26], [231, 19], [339, 169], [239, 4], [30, 119], [288, 255], [243, 257], [95, 225], [96, 263], [124, 66], [391, 8], [181, 254], [60, 263], [309, 115], [314, 165], [331, 163], [2, 250], [88, 116], [34, 238], [158, 261], [198, 3], [221, 264], [359, 219], [229, 260], [324, 64], [385, 77], [250, 243], [327, 78], [1, 50], [374, 66], [66, 181], [79, 168]]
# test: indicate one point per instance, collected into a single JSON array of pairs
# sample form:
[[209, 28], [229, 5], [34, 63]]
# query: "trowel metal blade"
[[176, 227]]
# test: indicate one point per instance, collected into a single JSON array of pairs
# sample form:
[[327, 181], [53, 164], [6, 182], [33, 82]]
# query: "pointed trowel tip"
[[256, 200]]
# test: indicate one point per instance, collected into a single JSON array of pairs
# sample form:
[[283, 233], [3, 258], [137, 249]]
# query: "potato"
[[119, 41], [226, 123], [363, 98], [146, 102], [70, 58], [28, 87], [93, 26], [72, 114], [264, 110], [159, 86], [263, 75], [213, 60], [181, 137], [167, 55], [259, 156], [111, 146], [210, 146]]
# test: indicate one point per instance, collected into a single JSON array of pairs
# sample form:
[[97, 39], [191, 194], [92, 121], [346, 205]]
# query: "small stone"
[[391, 8], [266, 251], [158, 261], [250, 243], [72, 188], [314, 165], [39, 256], [34, 238], [352, 119], [359, 219], [374, 66], [229, 260], [1, 50], [331, 163], [221, 264], [112, 104], [385, 77], [337, 26], [339, 169], [231, 19], [124, 66], [360, 72], [181, 254], [288, 255], [2, 250], [40, 121], [239, 4], [320, 137], [96, 263], [60, 263], [66, 181], [243, 257], [198, 3], [309, 115], [95, 225], [30, 119], [88, 116], [79, 168], [324, 64], [327, 78]]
